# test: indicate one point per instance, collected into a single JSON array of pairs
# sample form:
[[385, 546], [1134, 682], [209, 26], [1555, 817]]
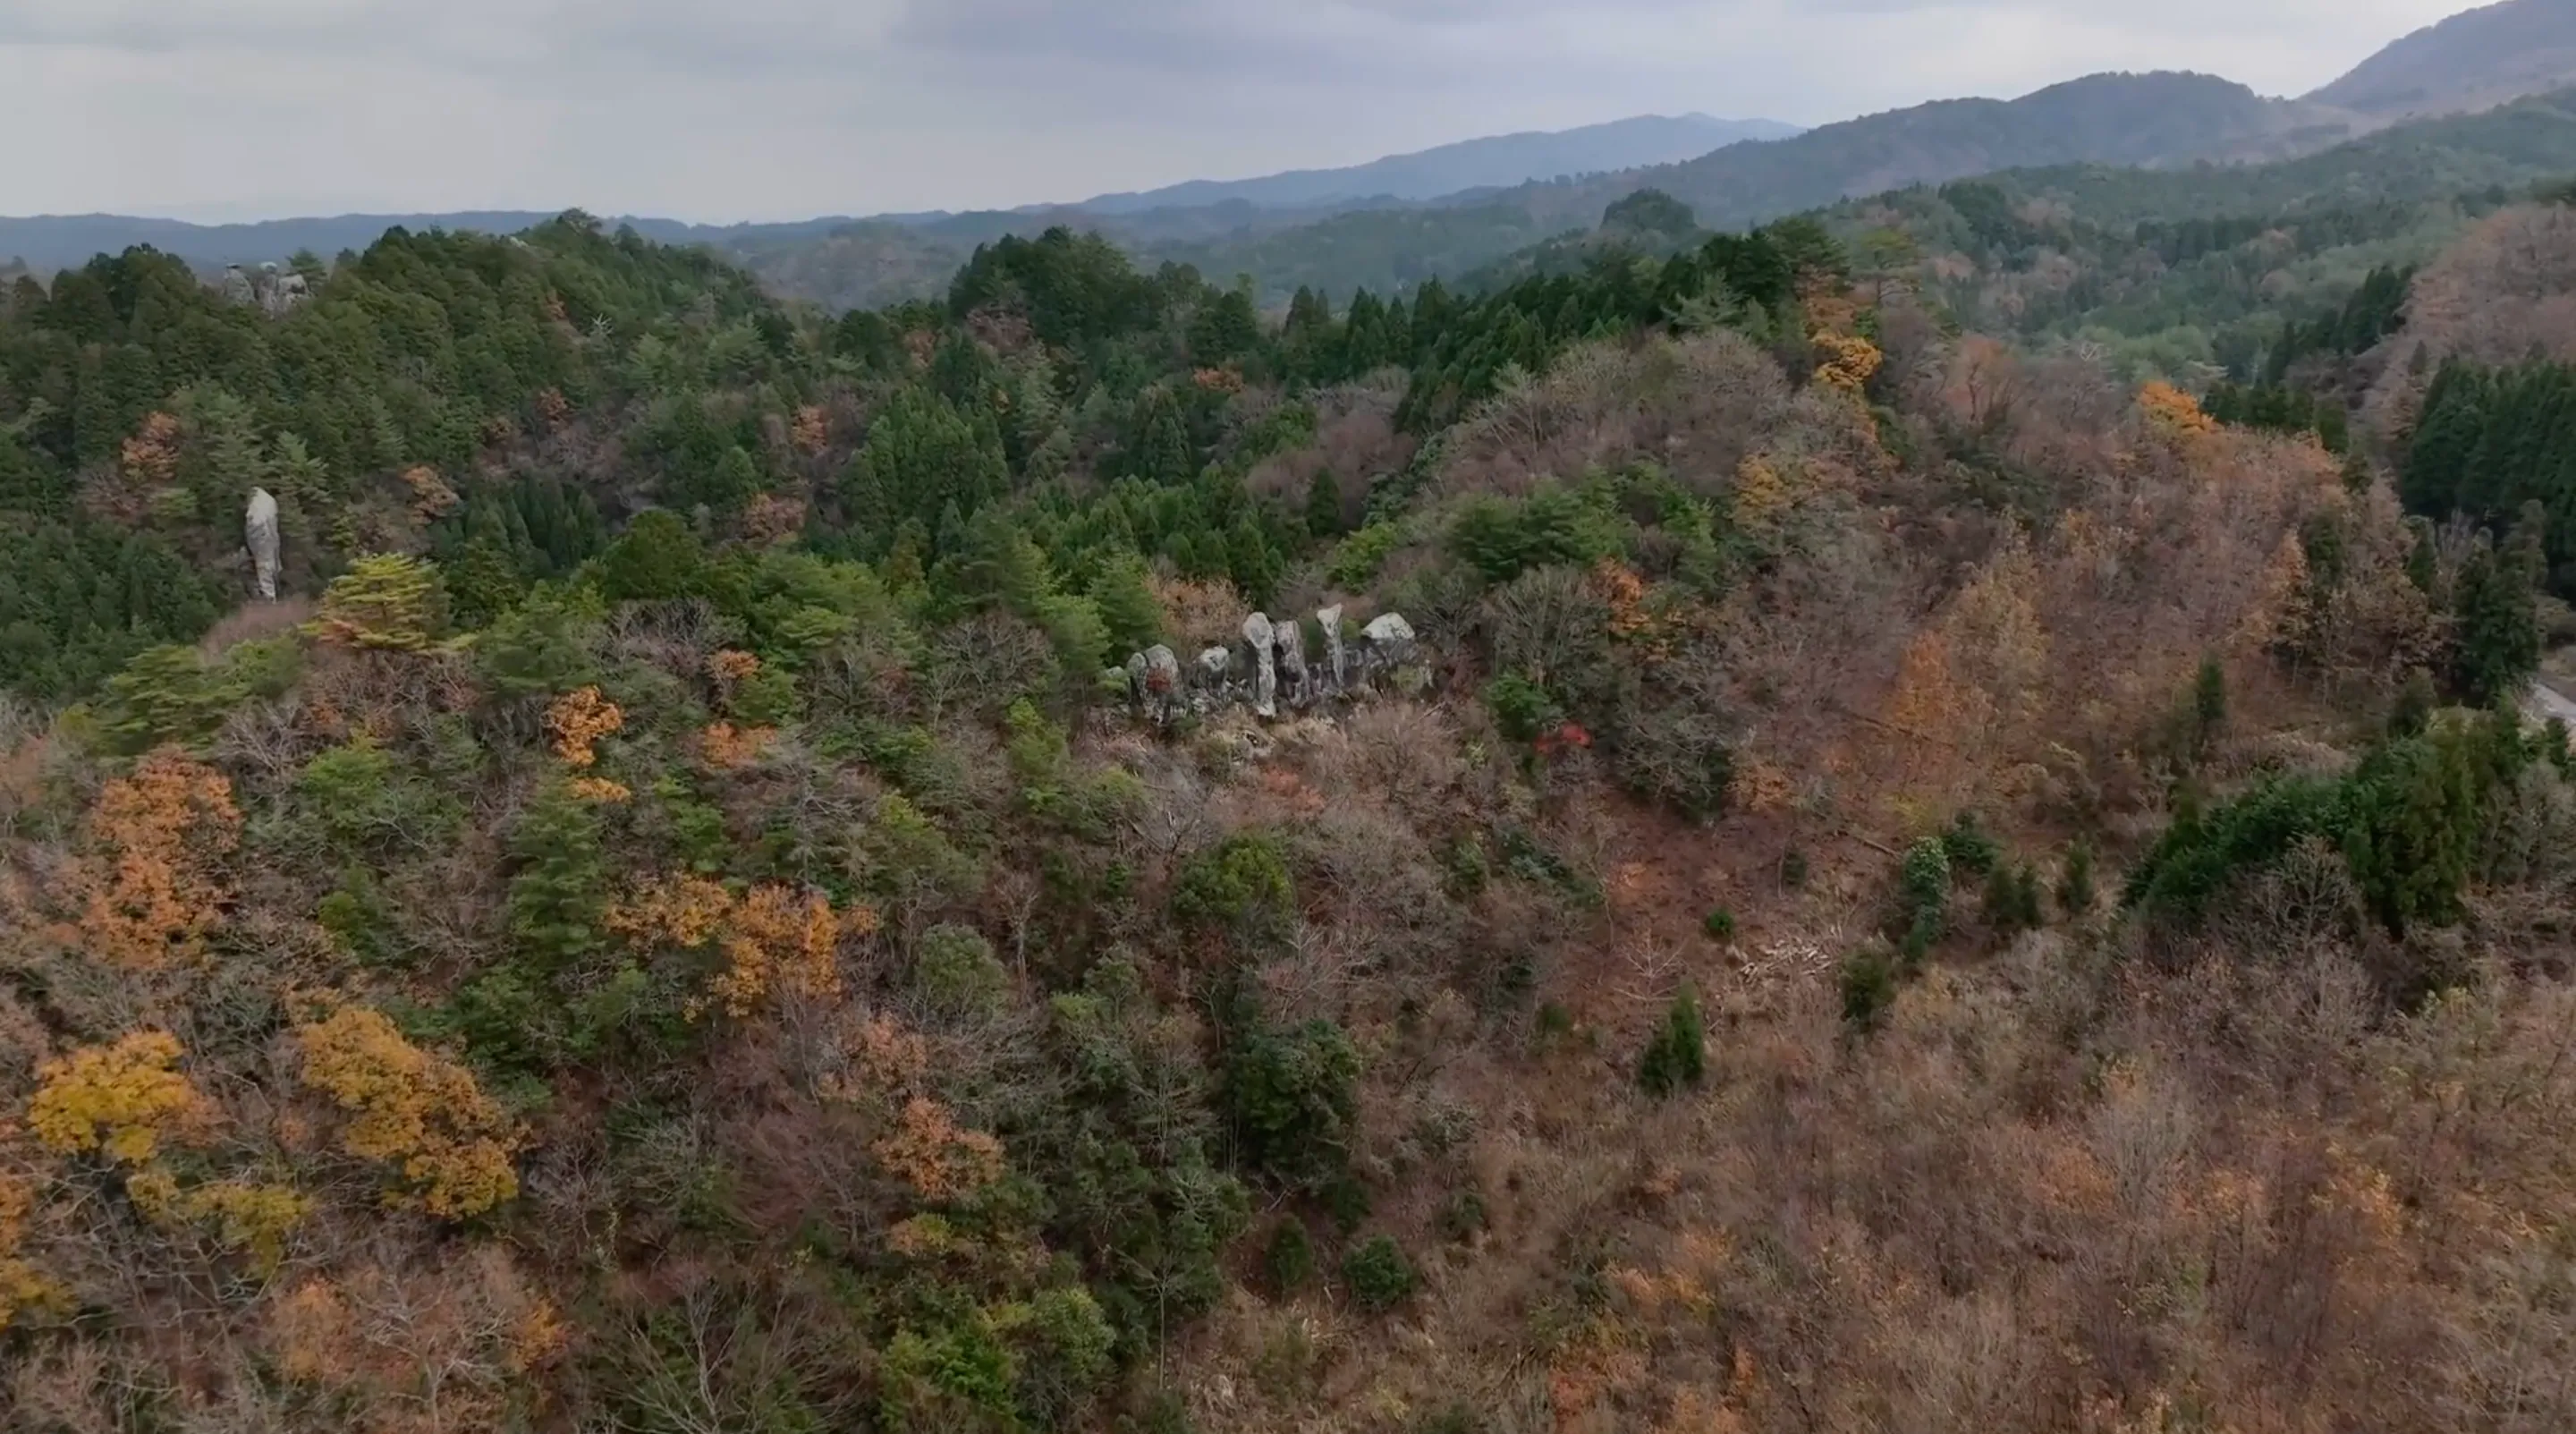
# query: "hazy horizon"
[[230, 111]]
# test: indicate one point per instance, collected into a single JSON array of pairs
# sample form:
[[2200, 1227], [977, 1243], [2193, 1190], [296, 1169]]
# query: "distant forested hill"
[[1496, 162], [2474, 59]]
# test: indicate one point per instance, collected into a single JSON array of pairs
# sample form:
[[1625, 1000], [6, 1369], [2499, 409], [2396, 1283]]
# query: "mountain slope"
[[2128, 119], [1490, 163], [2509, 147], [2472, 61]]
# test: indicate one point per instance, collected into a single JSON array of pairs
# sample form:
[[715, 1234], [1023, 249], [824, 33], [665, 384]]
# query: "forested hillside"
[[1909, 879]]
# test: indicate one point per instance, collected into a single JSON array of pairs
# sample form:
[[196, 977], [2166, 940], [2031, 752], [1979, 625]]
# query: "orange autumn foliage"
[[152, 456], [600, 790], [578, 721], [775, 942], [882, 1057], [812, 430], [152, 887], [772, 518], [2171, 411], [931, 1153], [728, 748], [418, 1351], [431, 498]]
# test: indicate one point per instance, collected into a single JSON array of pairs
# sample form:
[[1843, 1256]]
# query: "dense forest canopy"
[[1959, 850]]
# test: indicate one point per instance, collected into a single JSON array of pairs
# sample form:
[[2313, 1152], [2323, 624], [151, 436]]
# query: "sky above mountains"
[[726, 110]]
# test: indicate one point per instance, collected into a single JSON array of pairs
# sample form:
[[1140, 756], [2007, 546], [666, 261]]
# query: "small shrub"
[[1793, 869], [2415, 704], [1347, 1201], [1468, 869], [1924, 896], [1869, 988], [2075, 893], [1555, 1021], [1233, 884], [1678, 1055], [1379, 1276], [1164, 1413], [1970, 848], [1290, 1258], [1522, 709], [2012, 903], [1720, 925], [1465, 1216], [2208, 708]]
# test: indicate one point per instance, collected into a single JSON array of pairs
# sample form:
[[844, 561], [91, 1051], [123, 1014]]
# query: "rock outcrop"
[[1270, 672], [259, 533], [272, 291]]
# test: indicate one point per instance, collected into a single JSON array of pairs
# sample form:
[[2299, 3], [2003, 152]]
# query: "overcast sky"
[[720, 110]]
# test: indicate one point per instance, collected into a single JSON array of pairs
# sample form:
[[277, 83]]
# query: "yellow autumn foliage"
[[1762, 492], [124, 1099], [413, 1109], [244, 1214], [1848, 361], [21, 1286]]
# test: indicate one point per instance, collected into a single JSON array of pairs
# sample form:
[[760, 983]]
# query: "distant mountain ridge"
[[1497, 162], [1399, 220], [54, 241], [1199, 209], [2146, 120], [2474, 60]]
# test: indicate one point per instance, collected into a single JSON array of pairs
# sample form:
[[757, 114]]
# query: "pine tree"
[[1324, 505], [2208, 708], [1163, 452], [388, 602], [1678, 1054], [1128, 609], [559, 897], [2497, 648]]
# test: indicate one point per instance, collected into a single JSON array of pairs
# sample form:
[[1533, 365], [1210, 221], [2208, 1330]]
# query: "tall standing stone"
[[1296, 681], [1162, 683], [1336, 660], [1264, 642], [259, 530]]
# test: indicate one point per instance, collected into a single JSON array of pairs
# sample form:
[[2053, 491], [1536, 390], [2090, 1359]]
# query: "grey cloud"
[[770, 108]]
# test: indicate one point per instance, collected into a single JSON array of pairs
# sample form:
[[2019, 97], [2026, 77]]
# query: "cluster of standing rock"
[[1271, 669], [272, 290]]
